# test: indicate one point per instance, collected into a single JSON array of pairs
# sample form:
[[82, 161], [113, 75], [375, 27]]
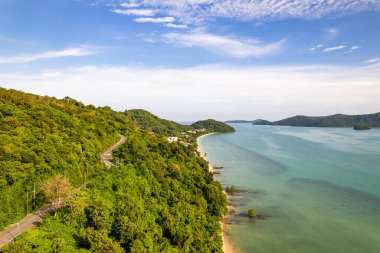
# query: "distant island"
[[337, 120], [242, 121]]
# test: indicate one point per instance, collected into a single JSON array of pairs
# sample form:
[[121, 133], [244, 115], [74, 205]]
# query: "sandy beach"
[[228, 246]]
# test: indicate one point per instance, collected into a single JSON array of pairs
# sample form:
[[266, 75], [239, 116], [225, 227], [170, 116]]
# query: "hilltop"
[[213, 126]]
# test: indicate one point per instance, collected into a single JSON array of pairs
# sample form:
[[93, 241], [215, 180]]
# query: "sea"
[[314, 189]]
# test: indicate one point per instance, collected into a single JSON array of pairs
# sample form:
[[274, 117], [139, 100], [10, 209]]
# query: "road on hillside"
[[107, 156], [33, 219]]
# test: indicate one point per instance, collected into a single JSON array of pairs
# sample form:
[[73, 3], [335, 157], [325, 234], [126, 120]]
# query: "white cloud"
[[200, 10], [316, 47], [129, 5], [374, 60], [136, 12], [224, 45], [171, 25], [222, 92], [69, 52], [355, 47], [155, 20], [330, 49]]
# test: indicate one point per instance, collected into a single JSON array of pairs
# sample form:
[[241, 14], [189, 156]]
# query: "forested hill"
[[148, 121], [159, 196], [213, 125], [42, 136], [337, 120]]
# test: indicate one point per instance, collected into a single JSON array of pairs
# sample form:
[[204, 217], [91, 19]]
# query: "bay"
[[314, 189]]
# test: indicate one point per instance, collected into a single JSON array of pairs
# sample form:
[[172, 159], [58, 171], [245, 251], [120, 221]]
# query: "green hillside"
[[337, 120], [213, 126], [159, 197], [42, 136], [149, 122]]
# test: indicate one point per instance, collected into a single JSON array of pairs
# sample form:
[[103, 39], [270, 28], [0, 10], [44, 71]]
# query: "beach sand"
[[228, 246]]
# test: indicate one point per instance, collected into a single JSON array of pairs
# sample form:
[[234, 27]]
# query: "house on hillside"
[[172, 139]]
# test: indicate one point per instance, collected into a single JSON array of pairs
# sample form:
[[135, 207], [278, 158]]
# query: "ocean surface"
[[314, 189]]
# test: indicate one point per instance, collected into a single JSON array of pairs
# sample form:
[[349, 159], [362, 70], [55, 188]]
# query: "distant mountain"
[[243, 121], [262, 122], [239, 121], [337, 120], [213, 125]]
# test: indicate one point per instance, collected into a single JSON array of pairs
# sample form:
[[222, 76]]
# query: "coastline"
[[228, 246]]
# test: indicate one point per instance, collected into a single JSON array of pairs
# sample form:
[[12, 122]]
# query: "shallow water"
[[315, 189]]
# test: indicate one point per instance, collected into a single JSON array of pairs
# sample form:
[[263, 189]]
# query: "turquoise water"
[[315, 189]]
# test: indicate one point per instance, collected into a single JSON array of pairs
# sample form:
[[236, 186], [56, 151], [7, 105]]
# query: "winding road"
[[33, 219]]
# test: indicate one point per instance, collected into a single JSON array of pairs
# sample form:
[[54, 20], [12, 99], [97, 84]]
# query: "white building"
[[172, 139]]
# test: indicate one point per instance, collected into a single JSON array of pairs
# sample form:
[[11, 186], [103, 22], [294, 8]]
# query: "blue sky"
[[193, 59]]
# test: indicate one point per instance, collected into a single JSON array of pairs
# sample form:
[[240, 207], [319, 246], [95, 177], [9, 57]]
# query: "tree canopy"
[[213, 126]]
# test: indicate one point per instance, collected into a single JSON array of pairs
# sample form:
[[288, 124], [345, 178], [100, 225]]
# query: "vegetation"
[[213, 126], [149, 122], [231, 190], [41, 137], [337, 120], [252, 213], [159, 198], [361, 127]]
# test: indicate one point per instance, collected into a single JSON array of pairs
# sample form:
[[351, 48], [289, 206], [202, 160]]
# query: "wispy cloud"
[[155, 20], [330, 49], [316, 47], [224, 45], [373, 60], [355, 47], [136, 12], [130, 5], [190, 11], [69, 52], [171, 25]]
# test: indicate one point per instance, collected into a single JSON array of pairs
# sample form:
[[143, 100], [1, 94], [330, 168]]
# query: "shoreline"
[[228, 246]]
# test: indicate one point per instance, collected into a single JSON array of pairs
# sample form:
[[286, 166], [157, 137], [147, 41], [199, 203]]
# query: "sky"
[[196, 59]]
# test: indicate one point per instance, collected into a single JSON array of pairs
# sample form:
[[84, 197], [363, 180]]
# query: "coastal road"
[[29, 221], [106, 157], [33, 219]]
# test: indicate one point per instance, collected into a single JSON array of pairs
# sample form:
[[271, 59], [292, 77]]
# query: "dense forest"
[[337, 120], [213, 126], [149, 122], [159, 196]]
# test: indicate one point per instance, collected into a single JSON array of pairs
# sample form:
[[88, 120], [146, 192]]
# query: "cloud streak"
[[316, 47], [155, 20], [136, 12], [129, 5], [69, 52], [330, 49], [224, 45], [171, 25], [373, 60]]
